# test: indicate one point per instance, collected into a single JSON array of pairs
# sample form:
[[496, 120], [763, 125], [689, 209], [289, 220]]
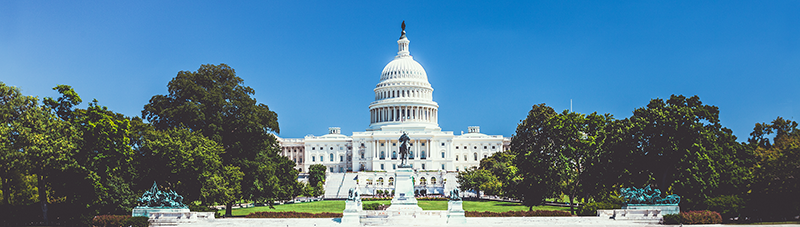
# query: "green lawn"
[[337, 206]]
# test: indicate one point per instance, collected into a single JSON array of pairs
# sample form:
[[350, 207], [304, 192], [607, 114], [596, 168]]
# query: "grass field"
[[337, 206]]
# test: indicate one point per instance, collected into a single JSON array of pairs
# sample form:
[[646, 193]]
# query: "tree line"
[[207, 139], [677, 145]]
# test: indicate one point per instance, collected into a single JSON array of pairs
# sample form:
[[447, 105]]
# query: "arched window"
[[475, 155], [383, 154], [321, 159], [443, 154], [331, 157], [391, 181], [313, 158], [433, 180], [422, 181], [456, 157], [369, 181], [380, 181], [465, 158]]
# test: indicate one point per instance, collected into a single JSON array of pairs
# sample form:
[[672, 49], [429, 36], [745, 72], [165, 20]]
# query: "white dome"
[[404, 68]]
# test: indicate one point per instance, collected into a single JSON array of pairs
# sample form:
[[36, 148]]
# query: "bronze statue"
[[404, 149]]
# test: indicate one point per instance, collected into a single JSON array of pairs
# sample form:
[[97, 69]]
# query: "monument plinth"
[[404, 191]]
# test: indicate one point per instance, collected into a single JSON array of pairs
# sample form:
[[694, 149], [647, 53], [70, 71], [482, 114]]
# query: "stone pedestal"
[[352, 212], [145, 211], [455, 212], [404, 191], [665, 209], [175, 218]]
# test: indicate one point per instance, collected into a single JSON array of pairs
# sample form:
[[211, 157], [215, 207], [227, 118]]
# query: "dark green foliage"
[[375, 206], [214, 102], [671, 219], [727, 205], [590, 209], [316, 173], [293, 214], [535, 213], [136, 222], [538, 161]]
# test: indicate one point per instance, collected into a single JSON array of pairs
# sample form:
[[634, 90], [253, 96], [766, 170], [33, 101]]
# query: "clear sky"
[[315, 63]]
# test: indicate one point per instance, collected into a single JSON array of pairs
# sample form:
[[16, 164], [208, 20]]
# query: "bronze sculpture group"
[[647, 195], [156, 198]]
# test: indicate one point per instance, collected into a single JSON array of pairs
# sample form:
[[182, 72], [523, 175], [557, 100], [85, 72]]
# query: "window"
[[313, 148], [457, 169], [433, 180], [362, 155], [294, 160], [410, 154], [484, 156], [394, 144], [456, 147], [465, 147], [456, 157], [465, 158], [382, 167], [394, 166], [380, 180], [342, 148], [341, 169], [475, 147], [423, 144], [320, 159], [492, 147], [391, 181], [320, 148], [381, 144], [484, 147], [410, 144], [331, 157], [331, 169], [331, 148], [475, 155], [442, 144], [341, 158], [313, 159], [423, 167], [301, 160], [442, 166], [442, 154], [394, 155], [423, 155], [383, 155]]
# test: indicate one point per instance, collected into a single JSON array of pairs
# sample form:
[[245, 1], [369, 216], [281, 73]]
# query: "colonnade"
[[404, 113], [413, 93]]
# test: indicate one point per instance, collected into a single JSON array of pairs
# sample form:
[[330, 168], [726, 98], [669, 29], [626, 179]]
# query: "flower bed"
[[535, 213], [292, 214], [694, 217], [119, 220]]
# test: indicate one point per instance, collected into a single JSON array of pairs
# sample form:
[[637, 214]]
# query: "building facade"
[[403, 104]]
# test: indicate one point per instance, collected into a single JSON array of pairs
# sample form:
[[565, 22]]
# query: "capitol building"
[[403, 104]]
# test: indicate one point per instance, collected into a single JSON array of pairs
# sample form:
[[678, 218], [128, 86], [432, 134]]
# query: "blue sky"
[[316, 63]]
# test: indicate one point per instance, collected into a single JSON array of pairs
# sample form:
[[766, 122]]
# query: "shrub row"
[[694, 217], [590, 209], [292, 214], [535, 213], [375, 206], [119, 220]]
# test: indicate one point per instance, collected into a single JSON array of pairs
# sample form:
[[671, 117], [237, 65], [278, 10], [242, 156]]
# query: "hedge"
[[694, 217], [292, 214], [535, 213]]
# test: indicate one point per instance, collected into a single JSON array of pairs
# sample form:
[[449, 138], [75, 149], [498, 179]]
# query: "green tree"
[[777, 169], [213, 101], [479, 180], [13, 106], [501, 165], [316, 173], [187, 162], [673, 143], [541, 165]]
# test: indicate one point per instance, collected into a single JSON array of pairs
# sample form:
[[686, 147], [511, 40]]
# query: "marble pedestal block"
[[145, 211], [404, 191], [455, 212], [352, 212]]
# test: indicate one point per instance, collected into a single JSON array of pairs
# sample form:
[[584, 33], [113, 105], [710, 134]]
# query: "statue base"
[[145, 211], [455, 212], [665, 208], [404, 191]]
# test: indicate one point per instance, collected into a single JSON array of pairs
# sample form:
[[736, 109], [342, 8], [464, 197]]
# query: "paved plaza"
[[478, 222]]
